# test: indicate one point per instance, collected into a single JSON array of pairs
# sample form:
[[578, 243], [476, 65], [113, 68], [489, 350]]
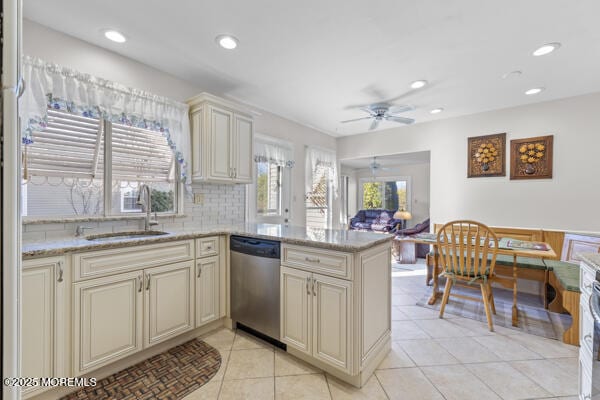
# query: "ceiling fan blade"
[[355, 119], [368, 109], [400, 96], [401, 120], [399, 109], [374, 124]]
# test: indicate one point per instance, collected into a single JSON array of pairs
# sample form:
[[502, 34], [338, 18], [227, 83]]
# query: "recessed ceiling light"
[[533, 91], [436, 111], [227, 41], [418, 84], [115, 36], [546, 49]]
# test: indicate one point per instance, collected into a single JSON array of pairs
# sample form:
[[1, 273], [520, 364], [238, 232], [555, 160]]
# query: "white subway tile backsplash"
[[223, 204], [33, 236]]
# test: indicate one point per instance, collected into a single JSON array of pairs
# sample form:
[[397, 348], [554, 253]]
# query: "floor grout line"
[[417, 323], [381, 385]]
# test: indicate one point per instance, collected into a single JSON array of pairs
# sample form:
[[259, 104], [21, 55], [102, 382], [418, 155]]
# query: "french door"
[[390, 193]]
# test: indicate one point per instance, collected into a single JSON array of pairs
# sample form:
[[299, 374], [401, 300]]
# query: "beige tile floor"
[[431, 358]]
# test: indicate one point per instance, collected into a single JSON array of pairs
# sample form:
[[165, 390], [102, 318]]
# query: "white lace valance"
[[318, 162], [273, 153], [52, 86]]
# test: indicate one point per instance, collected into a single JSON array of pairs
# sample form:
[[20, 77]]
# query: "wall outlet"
[[198, 198]]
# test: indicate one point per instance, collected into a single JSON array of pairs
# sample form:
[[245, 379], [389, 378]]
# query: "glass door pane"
[[396, 195], [371, 195]]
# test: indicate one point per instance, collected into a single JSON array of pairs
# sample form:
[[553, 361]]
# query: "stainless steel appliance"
[[255, 267], [595, 310]]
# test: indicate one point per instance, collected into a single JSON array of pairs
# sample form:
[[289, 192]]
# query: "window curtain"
[[52, 86], [320, 162], [277, 154]]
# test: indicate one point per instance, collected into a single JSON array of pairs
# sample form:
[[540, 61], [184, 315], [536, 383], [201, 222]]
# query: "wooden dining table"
[[508, 282]]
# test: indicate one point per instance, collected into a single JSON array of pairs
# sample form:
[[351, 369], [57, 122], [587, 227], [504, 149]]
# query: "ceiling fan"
[[375, 166], [384, 112]]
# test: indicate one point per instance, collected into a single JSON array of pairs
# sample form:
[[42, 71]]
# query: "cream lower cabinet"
[[119, 315], [335, 308], [43, 321], [169, 301], [108, 319], [207, 290], [296, 311], [317, 315]]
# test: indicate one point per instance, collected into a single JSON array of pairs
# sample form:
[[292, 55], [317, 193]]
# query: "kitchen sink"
[[124, 235]]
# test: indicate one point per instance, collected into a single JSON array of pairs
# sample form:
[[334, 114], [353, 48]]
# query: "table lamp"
[[404, 216]]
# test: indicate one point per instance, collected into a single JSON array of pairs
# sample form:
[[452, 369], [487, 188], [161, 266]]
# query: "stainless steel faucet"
[[146, 205]]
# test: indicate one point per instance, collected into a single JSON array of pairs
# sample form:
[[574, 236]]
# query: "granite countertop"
[[592, 259], [333, 239]]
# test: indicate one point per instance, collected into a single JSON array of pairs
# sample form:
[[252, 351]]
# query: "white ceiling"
[[393, 160], [310, 60]]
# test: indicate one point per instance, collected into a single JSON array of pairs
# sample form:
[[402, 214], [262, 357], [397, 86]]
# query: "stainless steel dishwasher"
[[255, 267]]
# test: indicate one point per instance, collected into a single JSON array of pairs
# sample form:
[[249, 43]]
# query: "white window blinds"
[[141, 155], [69, 146]]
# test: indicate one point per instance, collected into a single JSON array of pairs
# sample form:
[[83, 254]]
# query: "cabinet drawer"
[[586, 279], [106, 262], [208, 246], [323, 261]]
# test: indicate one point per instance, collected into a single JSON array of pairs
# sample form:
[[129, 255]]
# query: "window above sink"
[[74, 161]]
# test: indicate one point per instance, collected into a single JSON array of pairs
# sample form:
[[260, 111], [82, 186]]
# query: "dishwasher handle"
[[255, 247]]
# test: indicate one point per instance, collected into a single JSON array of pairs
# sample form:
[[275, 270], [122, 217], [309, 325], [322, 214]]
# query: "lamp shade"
[[401, 214]]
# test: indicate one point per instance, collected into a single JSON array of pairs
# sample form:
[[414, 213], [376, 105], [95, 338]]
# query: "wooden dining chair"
[[468, 250]]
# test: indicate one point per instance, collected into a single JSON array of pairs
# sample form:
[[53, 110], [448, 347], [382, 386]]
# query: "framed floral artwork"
[[531, 158], [486, 156]]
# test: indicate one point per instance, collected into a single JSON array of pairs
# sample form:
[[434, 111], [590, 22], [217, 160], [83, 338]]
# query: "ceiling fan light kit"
[[384, 112], [418, 84]]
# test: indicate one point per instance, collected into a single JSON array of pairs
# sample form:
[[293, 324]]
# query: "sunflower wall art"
[[486, 156], [531, 158]]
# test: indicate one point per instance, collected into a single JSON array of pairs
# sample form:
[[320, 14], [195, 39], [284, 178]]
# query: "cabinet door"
[[169, 306], [242, 149], [220, 149], [37, 312], [207, 290], [196, 125], [296, 296], [107, 320], [332, 321]]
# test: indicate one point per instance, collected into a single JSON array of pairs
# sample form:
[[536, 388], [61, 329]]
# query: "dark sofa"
[[422, 249], [377, 220]]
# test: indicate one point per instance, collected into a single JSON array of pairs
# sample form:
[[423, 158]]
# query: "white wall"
[[71, 52], [419, 191], [569, 201]]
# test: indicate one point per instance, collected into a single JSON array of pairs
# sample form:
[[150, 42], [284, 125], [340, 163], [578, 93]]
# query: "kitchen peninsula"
[[79, 286]]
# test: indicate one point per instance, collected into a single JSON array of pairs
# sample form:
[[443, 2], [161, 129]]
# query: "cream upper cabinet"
[[43, 322], [296, 297], [222, 137], [220, 144], [108, 319], [207, 290], [243, 158], [169, 301]]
